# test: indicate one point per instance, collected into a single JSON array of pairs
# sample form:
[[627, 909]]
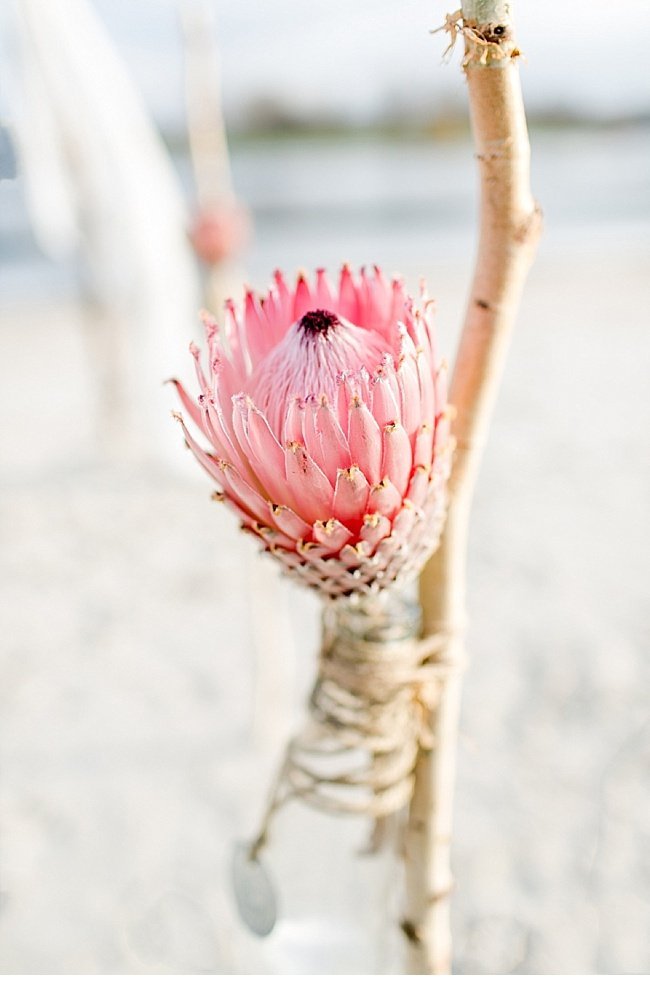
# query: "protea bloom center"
[[325, 416]]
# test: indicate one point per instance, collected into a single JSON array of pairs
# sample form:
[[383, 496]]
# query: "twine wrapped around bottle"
[[377, 682]]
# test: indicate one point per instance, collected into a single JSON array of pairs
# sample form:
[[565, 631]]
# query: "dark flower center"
[[318, 321]]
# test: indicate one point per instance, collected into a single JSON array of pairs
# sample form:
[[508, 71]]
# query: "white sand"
[[127, 762]]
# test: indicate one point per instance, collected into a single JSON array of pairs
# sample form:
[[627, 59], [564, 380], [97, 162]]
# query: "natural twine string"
[[368, 719]]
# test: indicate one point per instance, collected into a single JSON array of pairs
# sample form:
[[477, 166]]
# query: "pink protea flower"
[[326, 415], [219, 232]]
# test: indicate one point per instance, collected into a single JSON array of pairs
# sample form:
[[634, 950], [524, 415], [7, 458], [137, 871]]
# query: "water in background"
[[402, 205]]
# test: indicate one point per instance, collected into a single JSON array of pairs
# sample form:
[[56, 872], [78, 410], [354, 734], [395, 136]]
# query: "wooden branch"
[[205, 122], [510, 223]]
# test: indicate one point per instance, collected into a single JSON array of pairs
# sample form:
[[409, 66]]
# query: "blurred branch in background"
[[220, 229], [220, 226], [100, 182]]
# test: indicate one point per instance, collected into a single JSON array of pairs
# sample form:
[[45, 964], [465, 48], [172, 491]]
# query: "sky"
[[338, 57], [357, 59]]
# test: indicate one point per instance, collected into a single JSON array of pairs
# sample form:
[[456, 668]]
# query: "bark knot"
[[530, 228], [411, 932]]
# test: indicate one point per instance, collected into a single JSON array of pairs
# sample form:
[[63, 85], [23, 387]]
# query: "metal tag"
[[254, 891]]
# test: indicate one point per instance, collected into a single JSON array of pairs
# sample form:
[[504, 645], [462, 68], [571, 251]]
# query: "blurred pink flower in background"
[[220, 232], [327, 419]]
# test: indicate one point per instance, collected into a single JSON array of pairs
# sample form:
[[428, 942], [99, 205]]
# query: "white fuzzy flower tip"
[[328, 430]]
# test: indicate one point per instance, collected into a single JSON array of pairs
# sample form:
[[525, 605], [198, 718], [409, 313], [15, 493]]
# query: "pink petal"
[[397, 459], [332, 534], [418, 328], [289, 522], [398, 301], [225, 378], [421, 332], [311, 435], [443, 431], [425, 314], [385, 407], [310, 489], [227, 439], [284, 302], [240, 427], [409, 393], [423, 452], [348, 301], [190, 407], [425, 376], [362, 385], [350, 497], [335, 453], [343, 400], [384, 498], [364, 295], [256, 328], [377, 302], [302, 301], [273, 538], [270, 307], [263, 441], [440, 388], [375, 528], [353, 556], [262, 449], [293, 430], [221, 449], [364, 438], [323, 294], [312, 551], [234, 334], [196, 354], [386, 554], [210, 325], [419, 486], [383, 291], [206, 460], [352, 387], [404, 521], [243, 493]]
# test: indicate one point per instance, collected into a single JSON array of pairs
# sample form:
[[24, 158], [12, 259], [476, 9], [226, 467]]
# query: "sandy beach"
[[134, 748]]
